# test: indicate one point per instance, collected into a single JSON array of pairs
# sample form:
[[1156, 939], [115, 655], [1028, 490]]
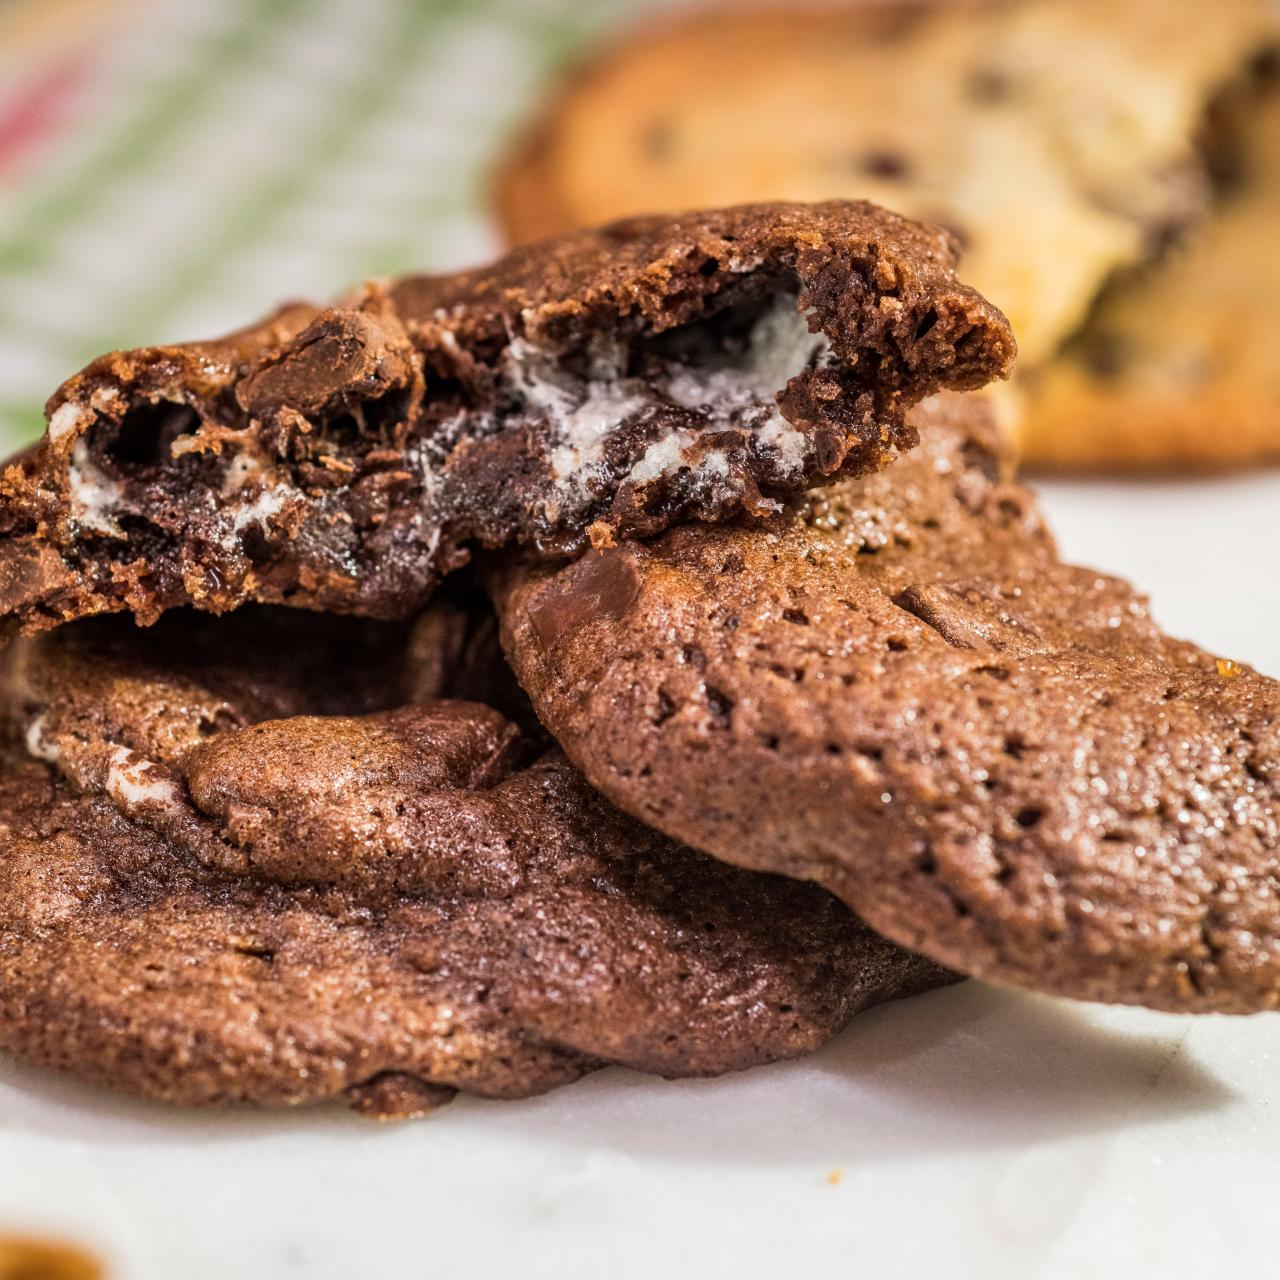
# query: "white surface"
[[969, 1133]]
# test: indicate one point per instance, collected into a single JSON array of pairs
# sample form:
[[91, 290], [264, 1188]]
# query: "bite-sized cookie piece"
[[1056, 137], [209, 893], [611, 382], [1179, 366], [896, 689]]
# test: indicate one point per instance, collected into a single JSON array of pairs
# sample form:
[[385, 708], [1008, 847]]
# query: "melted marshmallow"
[[67, 419], [38, 745], [663, 457], [270, 502], [779, 347], [130, 787], [94, 494], [742, 387], [789, 442], [737, 388], [582, 413], [241, 470]]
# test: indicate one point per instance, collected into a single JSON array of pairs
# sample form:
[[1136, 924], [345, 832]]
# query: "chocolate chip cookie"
[[236, 867], [608, 383], [1177, 366], [896, 689]]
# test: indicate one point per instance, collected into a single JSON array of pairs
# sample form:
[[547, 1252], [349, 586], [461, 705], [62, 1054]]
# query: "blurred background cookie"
[[1063, 143], [1177, 366]]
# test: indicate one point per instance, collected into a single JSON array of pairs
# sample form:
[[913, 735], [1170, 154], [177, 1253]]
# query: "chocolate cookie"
[[1189, 343], [896, 689], [607, 383], [1057, 137], [212, 893]]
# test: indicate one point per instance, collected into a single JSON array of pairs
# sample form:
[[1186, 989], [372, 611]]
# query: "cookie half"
[[896, 689], [608, 383], [246, 875], [1056, 137]]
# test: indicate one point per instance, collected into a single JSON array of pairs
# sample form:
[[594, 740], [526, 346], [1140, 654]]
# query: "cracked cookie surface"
[[898, 690], [234, 869]]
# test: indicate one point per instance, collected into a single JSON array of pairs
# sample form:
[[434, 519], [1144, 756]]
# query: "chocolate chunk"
[[342, 361], [599, 586], [963, 626]]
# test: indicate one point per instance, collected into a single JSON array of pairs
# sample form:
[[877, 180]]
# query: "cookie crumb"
[[600, 534], [835, 1177]]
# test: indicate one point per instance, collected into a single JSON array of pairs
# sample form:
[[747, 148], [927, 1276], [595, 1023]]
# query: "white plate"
[[971, 1132]]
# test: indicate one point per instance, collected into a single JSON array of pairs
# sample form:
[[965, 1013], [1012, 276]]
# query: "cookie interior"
[[604, 385]]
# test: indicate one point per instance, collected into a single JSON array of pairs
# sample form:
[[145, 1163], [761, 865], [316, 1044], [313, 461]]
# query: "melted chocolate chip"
[[602, 585]]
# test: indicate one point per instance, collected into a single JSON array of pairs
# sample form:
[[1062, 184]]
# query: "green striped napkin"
[[183, 168]]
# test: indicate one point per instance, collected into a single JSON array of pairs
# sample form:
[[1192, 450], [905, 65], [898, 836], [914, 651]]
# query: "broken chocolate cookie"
[[895, 688], [608, 383], [233, 870]]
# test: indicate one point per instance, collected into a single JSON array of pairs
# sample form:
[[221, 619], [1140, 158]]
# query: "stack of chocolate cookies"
[[632, 652]]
